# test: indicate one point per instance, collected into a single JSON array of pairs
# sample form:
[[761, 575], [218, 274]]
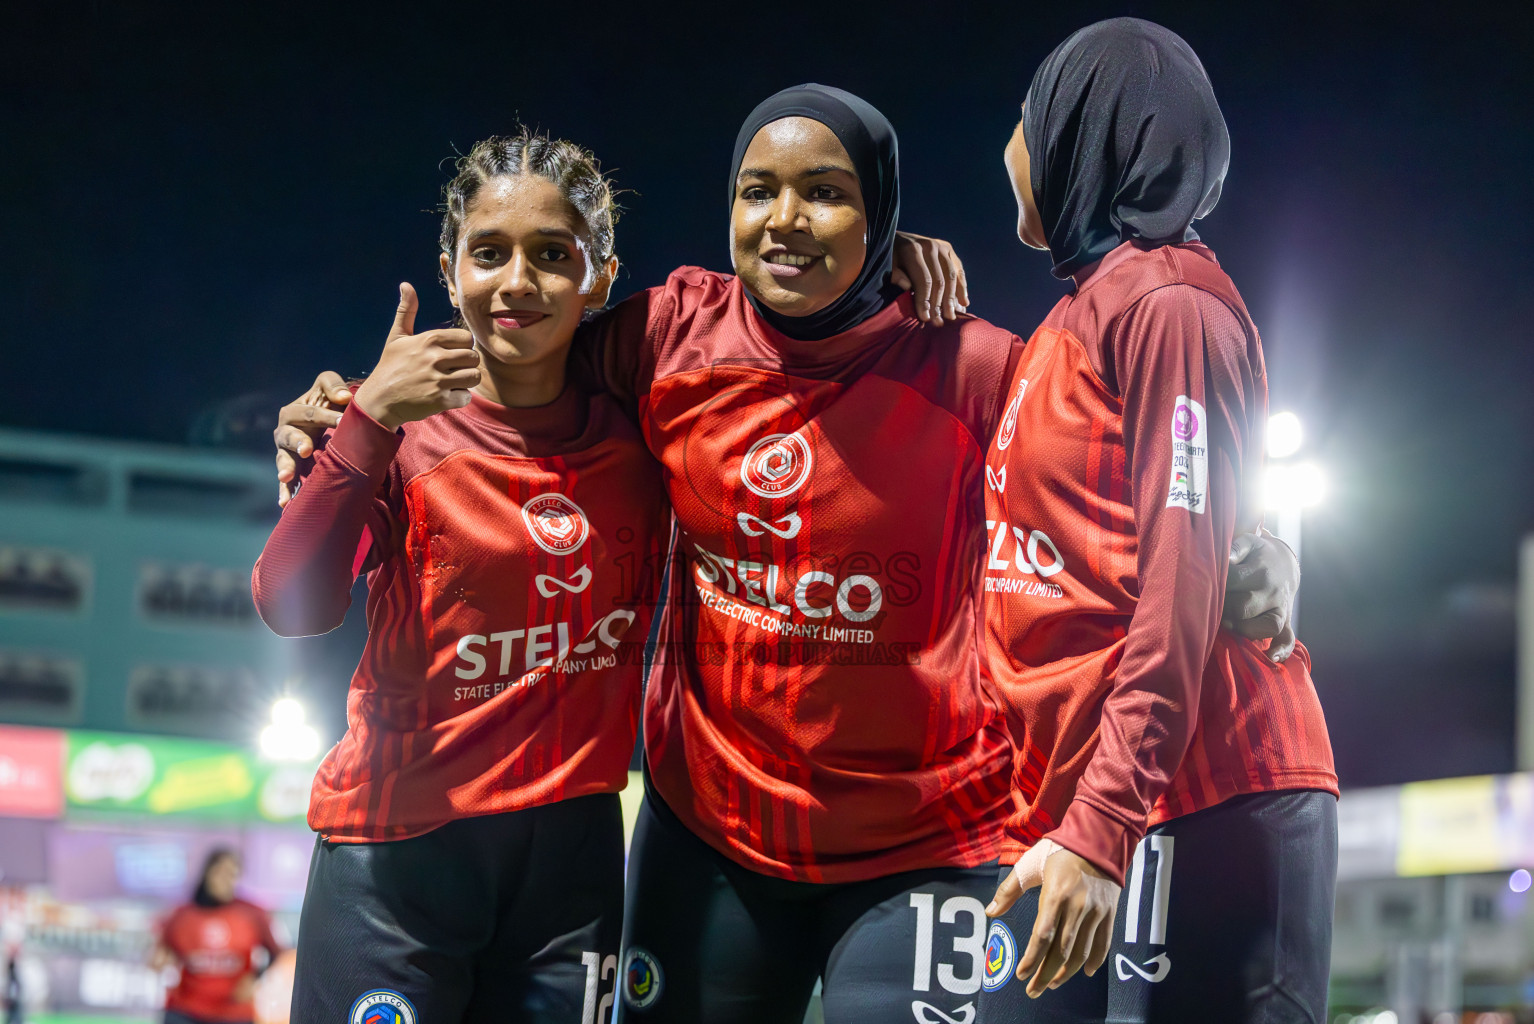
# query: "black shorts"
[[503, 917], [706, 940], [1226, 916]]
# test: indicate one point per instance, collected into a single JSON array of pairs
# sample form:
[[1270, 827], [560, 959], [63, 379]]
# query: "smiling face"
[[1030, 226], [798, 227], [521, 273]]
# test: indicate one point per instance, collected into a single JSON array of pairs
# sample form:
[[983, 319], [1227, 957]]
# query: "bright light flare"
[[288, 711], [289, 738], [1285, 435], [1519, 880], [1297, 485]]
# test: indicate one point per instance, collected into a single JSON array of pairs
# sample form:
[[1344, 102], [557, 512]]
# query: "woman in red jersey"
[[470, 854], [1130, 450], [827, 772], [213, 940]]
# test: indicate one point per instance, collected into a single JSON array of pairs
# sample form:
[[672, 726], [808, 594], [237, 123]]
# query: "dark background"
[[203, 204]]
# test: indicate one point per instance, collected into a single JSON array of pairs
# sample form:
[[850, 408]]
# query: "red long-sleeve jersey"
[[816, 711], [1126, 460], [214, 946], [512, 556]]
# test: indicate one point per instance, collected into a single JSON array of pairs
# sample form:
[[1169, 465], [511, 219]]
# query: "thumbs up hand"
[[418, 374]]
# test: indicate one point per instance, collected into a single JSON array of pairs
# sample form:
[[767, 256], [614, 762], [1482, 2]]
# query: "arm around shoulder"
[[302, 581]]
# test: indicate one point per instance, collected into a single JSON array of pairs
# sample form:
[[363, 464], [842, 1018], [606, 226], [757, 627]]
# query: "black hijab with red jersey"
[[1125, 141]]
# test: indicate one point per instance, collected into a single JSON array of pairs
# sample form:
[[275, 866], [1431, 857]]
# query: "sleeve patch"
[[1189, 487]]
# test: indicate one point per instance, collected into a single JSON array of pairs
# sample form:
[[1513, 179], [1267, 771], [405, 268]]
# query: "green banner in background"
[[158, 775]]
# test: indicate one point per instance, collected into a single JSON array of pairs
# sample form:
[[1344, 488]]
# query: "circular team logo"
[[381, 1006], [215, 934], [777, 465], [556, 523], [1000, 957], [642, 979], [1184, 423], [1009, 420]]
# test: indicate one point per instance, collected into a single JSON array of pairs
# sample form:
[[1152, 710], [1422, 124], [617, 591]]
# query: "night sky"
[[207, 204]]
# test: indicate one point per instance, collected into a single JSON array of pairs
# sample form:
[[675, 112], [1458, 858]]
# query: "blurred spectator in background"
[[12, 988], [214, 939]]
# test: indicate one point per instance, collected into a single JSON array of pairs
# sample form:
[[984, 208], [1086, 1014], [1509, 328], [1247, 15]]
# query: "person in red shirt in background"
[[1126, 463], [213, 940], [469, 864]]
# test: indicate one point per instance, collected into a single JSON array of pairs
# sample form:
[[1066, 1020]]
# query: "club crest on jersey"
[[215, 934], [642, 979], [381, 1006], [556, 523], [1000, 957], [777, 465], [1009, 421]]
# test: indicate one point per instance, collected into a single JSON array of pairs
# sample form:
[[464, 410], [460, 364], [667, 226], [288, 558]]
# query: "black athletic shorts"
[[1225, 917], [497, 918], [706, 940]]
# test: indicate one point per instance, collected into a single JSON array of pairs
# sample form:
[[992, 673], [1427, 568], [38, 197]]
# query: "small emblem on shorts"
[[556, 523], [381, 1006], [926, 1013], [642, 979], [777, 465], [1000, 957], [1160, 966]]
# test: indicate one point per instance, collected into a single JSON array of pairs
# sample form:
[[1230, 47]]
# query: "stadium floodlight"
[[1285, 435], [289, 737], [287, 711], [1294, 486]]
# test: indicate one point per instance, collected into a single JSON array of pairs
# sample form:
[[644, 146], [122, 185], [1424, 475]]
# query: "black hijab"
[[869, 139], [1125, 140]]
